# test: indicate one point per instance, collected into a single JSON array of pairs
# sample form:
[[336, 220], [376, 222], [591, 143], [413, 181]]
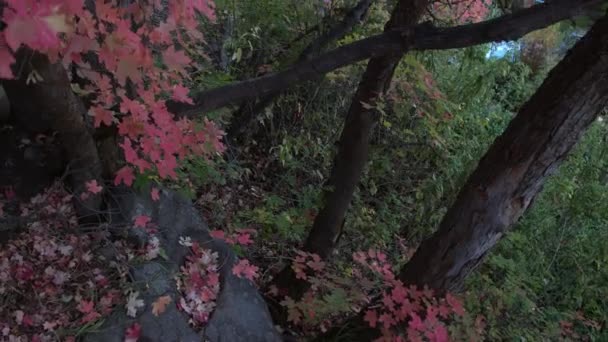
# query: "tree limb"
[[337, 31], [420, 37]]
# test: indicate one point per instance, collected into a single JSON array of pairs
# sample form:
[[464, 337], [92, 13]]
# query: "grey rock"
[[241, 313]]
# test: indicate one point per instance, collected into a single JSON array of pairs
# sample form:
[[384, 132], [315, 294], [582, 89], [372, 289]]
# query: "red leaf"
[[180, 93], [371, 317], [175, 60], [141, 221], [124, 175], [133, 332], [245, 270], [102, 115], [155, 194], [455, 304], [93, 187]]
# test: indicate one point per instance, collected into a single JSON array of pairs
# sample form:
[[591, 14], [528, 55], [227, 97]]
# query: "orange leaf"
[[160, 305]]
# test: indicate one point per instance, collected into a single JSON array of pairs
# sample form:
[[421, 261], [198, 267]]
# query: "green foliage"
[[547, 280]]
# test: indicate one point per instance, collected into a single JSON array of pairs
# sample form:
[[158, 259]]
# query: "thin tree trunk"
[[53, 98], [516, 166], [353, 147], [353, 150]]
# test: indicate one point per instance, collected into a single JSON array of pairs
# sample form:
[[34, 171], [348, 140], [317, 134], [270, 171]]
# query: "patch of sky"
[[500, 50]]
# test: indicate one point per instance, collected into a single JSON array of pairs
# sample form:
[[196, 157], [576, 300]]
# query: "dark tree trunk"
[[515, 167], [52, 99], [353, 150]]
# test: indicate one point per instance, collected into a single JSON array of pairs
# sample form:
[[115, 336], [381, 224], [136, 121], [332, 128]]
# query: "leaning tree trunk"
[[353, 149], [52, 97], [515, 167]]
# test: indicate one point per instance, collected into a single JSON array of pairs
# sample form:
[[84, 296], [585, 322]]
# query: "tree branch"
[[337, 31], [420, 37]]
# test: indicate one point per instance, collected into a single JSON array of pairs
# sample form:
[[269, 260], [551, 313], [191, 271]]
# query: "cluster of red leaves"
[[403, 313], [304, 261], [330, 297], [127, 46], [239, 237], [407, 313], [199, 284], [462, 11], [52, 280]]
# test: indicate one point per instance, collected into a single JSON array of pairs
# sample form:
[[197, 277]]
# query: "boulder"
[[241, 313]]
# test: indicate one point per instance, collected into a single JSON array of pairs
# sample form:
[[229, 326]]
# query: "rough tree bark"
[[515, 167], [53, 98], [353, 149]]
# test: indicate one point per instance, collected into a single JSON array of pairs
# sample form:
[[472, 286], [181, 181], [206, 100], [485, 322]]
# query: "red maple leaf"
[[180, 93], [93, 187], [155, 194], [245, 270], [124, 175], [141, 221], [455, 304], [175, 60], [102, 115], [371, 317], [244, 239]]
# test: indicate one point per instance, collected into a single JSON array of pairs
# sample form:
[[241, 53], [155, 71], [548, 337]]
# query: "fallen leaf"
[[160, 305]]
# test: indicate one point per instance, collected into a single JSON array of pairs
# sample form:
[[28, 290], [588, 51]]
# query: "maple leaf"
[[371, 317], [316, 264], [245, 270], [49, 326], [133, 303], [175, 60], [132, 333], [438, 334], [93, 187], [455, 304], [217, 234], [102, 115], [155, 194], [86, 307], [180, 93], [141, 221], [124, 175], [416, 323], [160, 305], [244, 239]]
